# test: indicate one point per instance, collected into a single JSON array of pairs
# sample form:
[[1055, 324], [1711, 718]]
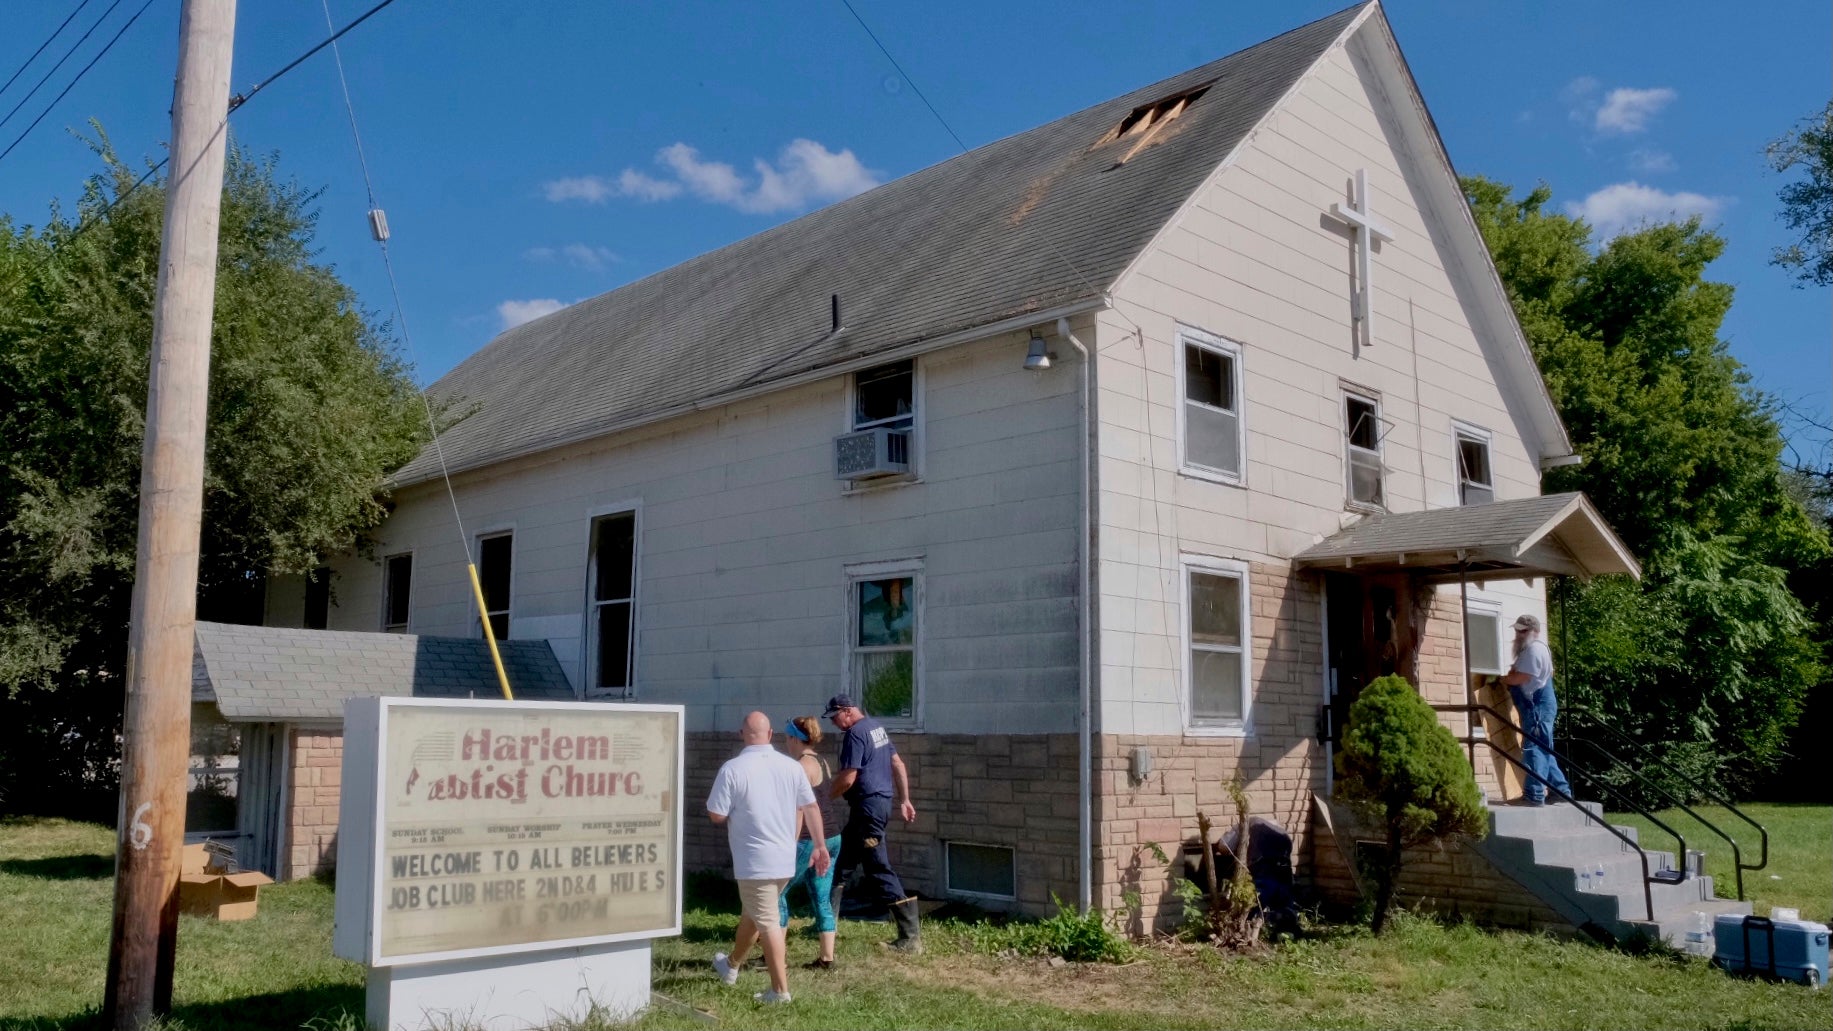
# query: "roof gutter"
[[912, 349]]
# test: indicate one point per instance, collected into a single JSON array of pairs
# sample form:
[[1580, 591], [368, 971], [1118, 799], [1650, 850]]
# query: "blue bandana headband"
[[790, 728]]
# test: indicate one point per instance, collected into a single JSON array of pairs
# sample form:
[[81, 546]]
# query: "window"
[[988, 871], [612, 628], [397, 591], [1211, 415], [885, 396], [1362, 443], [882, 671], [494, 553], [318, 599], [1474, 486], [1216, 654], [1483, 639]]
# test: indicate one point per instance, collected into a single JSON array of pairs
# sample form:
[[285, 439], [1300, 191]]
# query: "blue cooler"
[[1792, 950]]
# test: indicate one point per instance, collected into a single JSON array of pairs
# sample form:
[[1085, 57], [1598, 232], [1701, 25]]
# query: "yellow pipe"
[[483, 613]]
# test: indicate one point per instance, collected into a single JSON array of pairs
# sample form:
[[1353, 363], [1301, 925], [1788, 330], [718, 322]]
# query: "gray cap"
[[1526, 622]]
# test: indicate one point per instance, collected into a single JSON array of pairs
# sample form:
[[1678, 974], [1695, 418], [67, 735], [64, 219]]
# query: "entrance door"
[[1369, 634]]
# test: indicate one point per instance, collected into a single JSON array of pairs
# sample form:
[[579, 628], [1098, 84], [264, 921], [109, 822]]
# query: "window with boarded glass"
[[988, 870], [884, 645], [397, 591], [495, 552], [1212, 437], [1217, 634], [613, 616]]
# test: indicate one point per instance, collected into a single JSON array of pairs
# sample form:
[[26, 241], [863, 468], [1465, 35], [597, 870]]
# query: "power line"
[[41, 47], [79, 78], [242, 98], [234, 103], [60, 62]]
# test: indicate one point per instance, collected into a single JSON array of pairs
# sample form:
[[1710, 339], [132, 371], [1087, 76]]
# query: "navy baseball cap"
[[837, 703]]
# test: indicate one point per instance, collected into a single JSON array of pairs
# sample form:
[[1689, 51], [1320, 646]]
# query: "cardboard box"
[[207, 888]]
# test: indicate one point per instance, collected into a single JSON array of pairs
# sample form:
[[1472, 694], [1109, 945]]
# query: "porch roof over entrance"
[[1551, 535], [280, 674]]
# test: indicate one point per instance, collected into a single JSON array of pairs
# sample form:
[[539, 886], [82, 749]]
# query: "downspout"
[[1085, 820]]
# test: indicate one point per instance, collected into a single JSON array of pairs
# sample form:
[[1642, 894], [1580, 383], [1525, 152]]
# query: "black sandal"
[[818, 964]]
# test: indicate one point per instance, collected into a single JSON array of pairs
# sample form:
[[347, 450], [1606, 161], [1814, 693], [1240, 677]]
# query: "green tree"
[[1807, 203], [1712, 652], [310, 408], [1401, 767]]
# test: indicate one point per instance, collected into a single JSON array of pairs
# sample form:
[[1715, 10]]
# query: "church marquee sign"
[[478, 828]]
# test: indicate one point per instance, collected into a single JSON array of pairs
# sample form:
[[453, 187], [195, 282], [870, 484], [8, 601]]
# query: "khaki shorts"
[[758, 900]]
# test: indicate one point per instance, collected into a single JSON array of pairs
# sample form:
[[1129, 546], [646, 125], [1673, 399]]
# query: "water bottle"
[[1698, 940], [1597, 879], [1584, 878]]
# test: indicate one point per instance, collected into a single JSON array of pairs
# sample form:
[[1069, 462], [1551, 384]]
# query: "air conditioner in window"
[[880, 451]]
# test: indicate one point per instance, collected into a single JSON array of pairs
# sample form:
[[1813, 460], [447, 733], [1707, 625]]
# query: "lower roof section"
[[1550, 535]]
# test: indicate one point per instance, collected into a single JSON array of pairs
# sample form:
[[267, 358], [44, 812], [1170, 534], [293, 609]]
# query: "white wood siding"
[[1258, 259], [744, 533]]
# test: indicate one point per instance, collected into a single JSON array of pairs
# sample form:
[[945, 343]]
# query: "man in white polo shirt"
[[760, 796]]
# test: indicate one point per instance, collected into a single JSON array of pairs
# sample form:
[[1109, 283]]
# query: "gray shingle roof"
[[986, 236], [1549, 534], [256, 673]]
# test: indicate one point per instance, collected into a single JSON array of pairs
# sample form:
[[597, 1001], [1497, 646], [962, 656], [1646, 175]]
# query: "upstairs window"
[[611, 629], [318, 599], [494, 554], [885, 396], [397, 592], [1362, 444], [1474, 484], [1211, 414]]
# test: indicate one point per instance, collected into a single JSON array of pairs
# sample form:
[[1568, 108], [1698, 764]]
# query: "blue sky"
[[535, 153]]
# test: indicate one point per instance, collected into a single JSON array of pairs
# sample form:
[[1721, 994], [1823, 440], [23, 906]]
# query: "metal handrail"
[[1590, 722], [1470, 709]]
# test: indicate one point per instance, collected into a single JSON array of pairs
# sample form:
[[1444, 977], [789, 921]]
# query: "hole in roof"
[[1148, 118]]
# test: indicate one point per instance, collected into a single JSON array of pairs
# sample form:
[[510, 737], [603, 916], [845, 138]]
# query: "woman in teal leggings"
[[802, 735]]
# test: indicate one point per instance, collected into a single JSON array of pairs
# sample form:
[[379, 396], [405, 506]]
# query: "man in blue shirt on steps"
[[870, 774]]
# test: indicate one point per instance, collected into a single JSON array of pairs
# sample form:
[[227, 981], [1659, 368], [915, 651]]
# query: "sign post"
[[505, 864]]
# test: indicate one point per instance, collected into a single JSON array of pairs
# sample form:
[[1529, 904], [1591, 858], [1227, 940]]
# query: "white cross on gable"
[[1362, 223]]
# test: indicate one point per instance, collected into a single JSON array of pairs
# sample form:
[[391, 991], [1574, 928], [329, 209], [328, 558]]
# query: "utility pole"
[[156, 738]]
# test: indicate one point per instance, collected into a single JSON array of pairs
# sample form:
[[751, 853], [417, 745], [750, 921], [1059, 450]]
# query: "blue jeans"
[[1536, 711], [820, 886], [862, 844]]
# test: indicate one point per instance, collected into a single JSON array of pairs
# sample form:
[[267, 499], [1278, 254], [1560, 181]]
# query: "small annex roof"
[[1032, 226], [260, 674], [1550, 535]]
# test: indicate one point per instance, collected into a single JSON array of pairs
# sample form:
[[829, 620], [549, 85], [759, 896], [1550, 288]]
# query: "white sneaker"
[[771, 996], [726, 971]]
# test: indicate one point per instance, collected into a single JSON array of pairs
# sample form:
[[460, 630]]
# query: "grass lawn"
[[276, 971], [1800, 870]]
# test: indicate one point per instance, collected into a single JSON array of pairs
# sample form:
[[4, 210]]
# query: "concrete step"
[[1554, 818], [1671, 927]]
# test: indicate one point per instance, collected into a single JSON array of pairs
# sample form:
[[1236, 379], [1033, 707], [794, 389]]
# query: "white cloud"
[[1580, 98], [1651, 161], [580, 254], [632, 183], [1627, 110], [589, 188], [1623, 206], [804, 173], [514, 313]]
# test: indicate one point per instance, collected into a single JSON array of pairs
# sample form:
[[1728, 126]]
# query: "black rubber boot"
[[909, 929]]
